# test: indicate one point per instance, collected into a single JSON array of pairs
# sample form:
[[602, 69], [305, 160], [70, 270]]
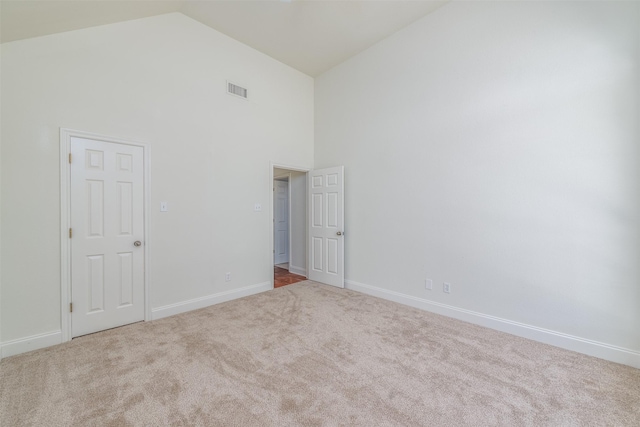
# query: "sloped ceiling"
[[309, 35]]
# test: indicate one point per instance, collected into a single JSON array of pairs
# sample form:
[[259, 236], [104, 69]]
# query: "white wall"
[[298, 249], [496, 146], [161, 81]]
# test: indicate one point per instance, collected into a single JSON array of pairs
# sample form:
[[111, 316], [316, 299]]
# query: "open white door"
[[326, 226]]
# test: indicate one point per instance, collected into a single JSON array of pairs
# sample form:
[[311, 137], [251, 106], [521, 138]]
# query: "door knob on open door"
[[137, 243], [339, 233]]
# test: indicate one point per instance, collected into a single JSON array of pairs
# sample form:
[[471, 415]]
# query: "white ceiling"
[[309, 35]]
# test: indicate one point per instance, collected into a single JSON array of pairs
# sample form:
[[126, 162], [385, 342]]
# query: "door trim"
[[65, 221], [271, 224]]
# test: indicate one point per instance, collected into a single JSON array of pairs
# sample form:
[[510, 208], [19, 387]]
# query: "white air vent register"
[[236, 90]]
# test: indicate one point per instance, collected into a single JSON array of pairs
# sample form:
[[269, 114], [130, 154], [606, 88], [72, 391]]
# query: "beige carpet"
[[312, 355]]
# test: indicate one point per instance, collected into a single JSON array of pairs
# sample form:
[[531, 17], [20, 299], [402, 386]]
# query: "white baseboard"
[[297, 270], [202, 302], [34, 342], [581, 345]]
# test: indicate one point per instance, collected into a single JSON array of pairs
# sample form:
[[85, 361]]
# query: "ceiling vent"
[[236, 90]]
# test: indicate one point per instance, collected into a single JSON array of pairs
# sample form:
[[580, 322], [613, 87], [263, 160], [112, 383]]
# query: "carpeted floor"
[[312, 355]]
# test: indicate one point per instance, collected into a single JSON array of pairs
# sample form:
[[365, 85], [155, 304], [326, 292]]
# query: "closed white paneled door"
[[326, 226], [281, 220], [107, 241]]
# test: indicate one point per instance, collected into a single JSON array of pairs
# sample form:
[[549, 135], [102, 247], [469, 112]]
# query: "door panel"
[[95, 208], [326, 237], [332, 256], [107, 217], [316, 209], [95, 283], [317, 254], [125, 208], [125, 262]]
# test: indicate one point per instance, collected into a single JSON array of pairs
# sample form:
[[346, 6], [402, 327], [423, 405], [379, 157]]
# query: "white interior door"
[[326, 226], [107, 240], [281, 219]]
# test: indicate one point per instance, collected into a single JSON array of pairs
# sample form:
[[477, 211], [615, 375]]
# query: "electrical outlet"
[[446, 287], [257, 207], [428, 284], [227, 277]]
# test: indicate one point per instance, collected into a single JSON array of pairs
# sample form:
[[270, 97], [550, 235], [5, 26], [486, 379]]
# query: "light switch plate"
[[164, 206]]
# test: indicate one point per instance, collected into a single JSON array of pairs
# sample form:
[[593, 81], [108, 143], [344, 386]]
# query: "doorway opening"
[[289, 226]]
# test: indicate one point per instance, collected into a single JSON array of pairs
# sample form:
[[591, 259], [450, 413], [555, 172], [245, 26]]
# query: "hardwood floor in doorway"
[[283, 277]]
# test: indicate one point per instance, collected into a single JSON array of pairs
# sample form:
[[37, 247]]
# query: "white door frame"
[[271, 178], [65, 221]]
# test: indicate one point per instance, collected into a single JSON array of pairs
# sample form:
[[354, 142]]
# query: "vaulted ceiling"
[[309, 35]]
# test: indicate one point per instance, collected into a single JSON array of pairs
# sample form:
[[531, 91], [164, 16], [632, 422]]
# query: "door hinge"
[[70, 233], [69, 157], [70, 307]]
